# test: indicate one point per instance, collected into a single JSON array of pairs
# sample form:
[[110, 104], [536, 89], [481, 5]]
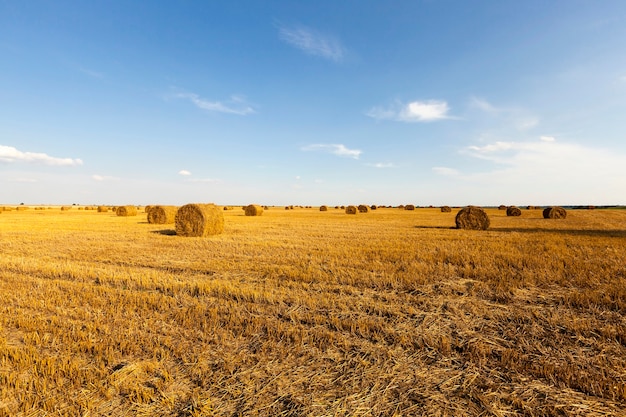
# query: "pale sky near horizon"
[[427, 102]]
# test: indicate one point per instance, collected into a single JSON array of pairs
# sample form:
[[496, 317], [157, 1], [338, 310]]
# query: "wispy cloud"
[[312, 42], [235, 105], [335, 149], [184, 172], [484, 105], [520, 119], [414, 111], [91, 73], [10, 154], [204, 180], [545, 170], [554, 161], [97, 177], [382, 165], [445, 171]]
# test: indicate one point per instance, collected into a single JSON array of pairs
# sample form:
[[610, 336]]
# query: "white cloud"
[[236, 104], [335, 149], [312, 42], [382, 165], [484, 105], [415, 111], [22, 179], [204, 180], [521, 119], [548, 171], [445, 171], [97, 177], [184, 172], [10, 154]]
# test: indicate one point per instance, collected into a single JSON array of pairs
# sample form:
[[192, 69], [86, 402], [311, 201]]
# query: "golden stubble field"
[[308, 313]]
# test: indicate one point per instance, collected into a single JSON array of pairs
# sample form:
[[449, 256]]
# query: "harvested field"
[[313, 313]]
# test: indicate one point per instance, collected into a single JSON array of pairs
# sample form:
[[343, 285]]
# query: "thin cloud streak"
[[9, 154], [382, 165], [335, 149], [204, 180], [312, 42], [414, 111], [236, 105], [97, 177]]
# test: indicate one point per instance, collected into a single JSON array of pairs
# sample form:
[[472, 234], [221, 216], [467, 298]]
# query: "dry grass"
[[313, 314]]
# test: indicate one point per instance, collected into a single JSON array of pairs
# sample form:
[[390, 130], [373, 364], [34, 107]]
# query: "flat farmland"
[[308, 313]]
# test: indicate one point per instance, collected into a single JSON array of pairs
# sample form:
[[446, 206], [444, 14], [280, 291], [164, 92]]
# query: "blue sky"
[[328, 102]]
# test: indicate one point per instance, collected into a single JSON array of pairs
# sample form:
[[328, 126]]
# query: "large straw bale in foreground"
[[162, 214], [253, 210], [554, 212], [472, 218], [197, 220], [126, 211]]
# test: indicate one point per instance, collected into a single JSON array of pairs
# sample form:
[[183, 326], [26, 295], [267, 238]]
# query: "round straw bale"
[[472, 218], [323, 208], [513, 211], [65, 208], [162, 214], [363, 208], [502, 207], [253, 210], [197, 220], [126, 211], [401, 206], [103, 209], [554, 212], [351, 210], [409, 207], [446, 209], [374, 207]]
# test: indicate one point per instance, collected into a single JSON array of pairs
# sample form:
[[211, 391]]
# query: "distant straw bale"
[[162, 214], [502, 207], [401, 206], [198, 220], [409, 207], [103, 209], [323, 208], [351, 210], [65, 208], [554, 212], [363, 208], [513, 211], [446, 209], [374, 207], [126, 211], [253, 210], [472, 218]]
